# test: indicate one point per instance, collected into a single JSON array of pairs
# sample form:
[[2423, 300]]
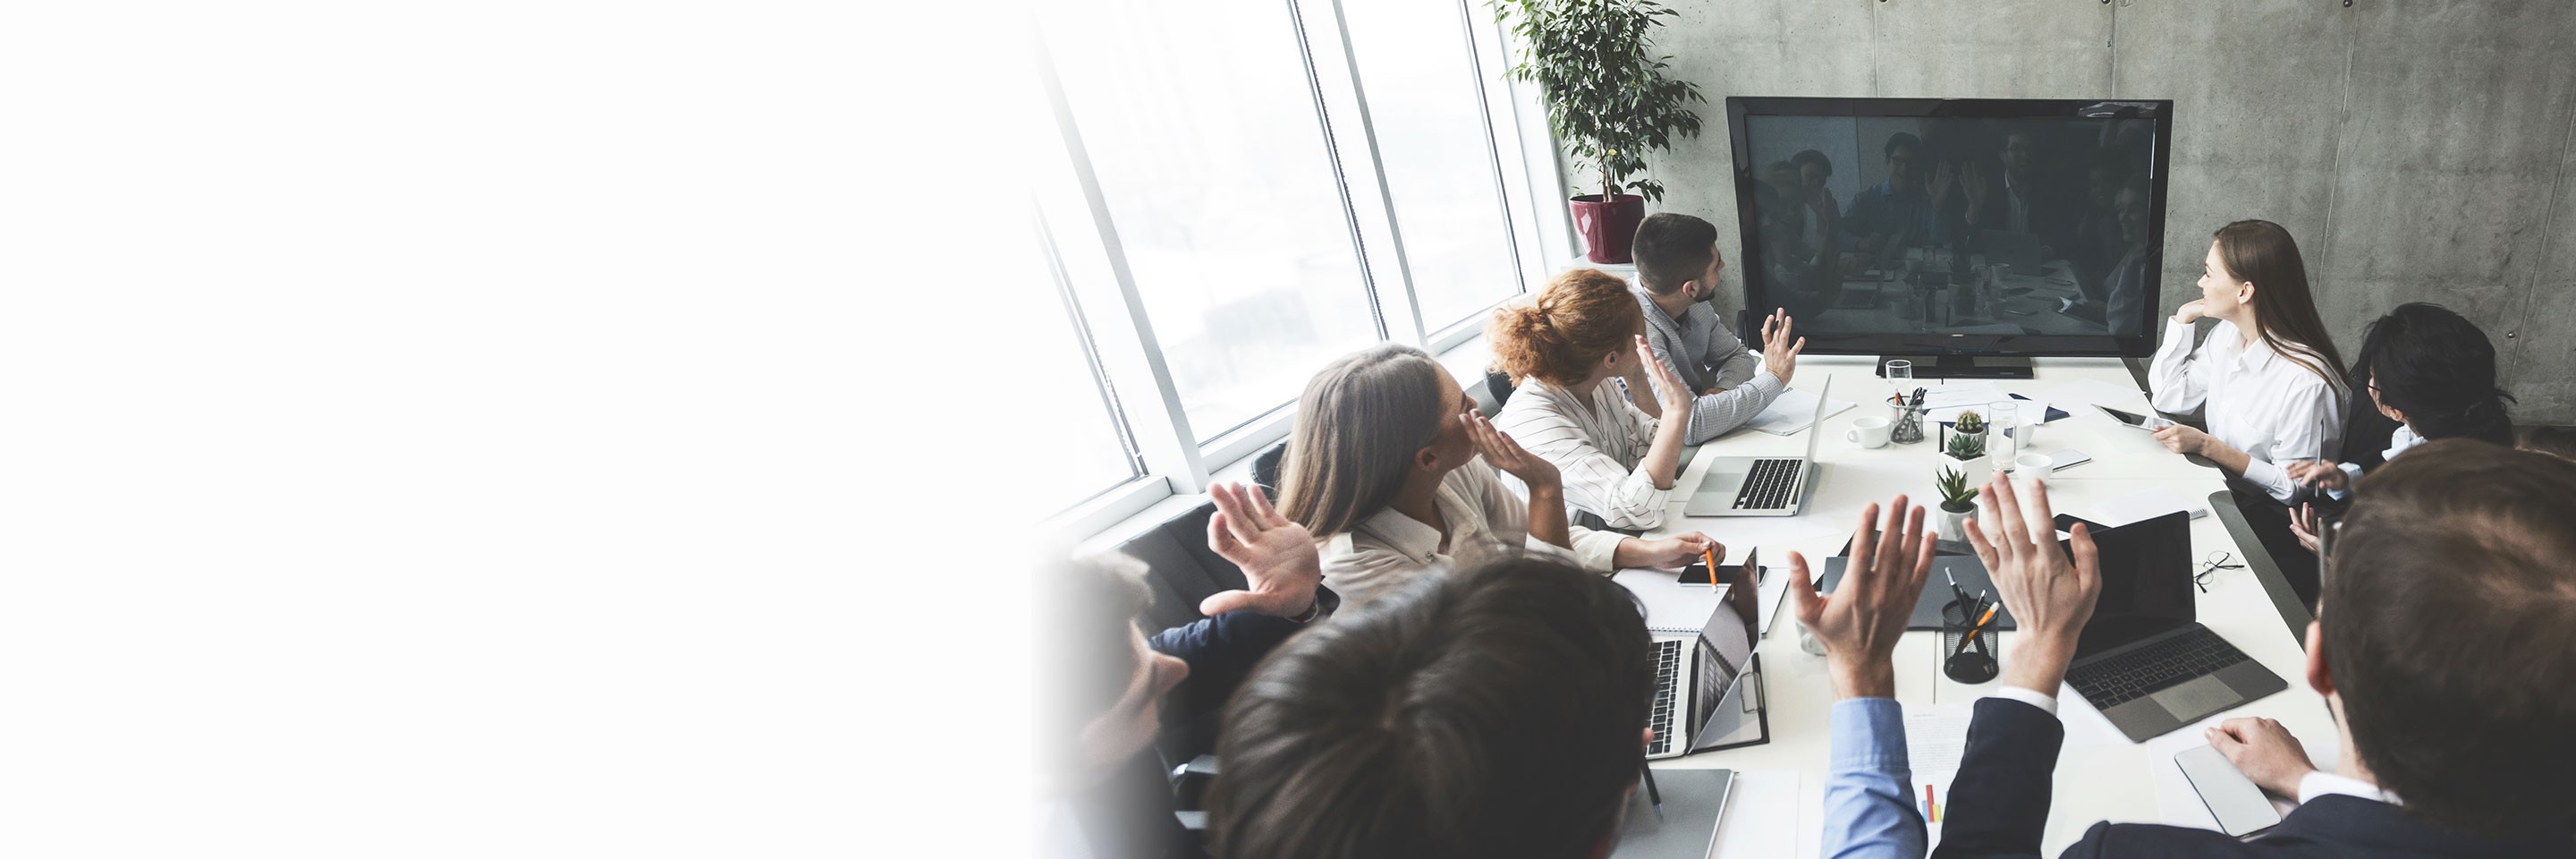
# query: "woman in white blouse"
[[1584, 403], [1383, 466], [2268, 371]]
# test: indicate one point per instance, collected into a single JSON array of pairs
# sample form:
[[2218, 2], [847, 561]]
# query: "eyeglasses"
[[2220, 560]]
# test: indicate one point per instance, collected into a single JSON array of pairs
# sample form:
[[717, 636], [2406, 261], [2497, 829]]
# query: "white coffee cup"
[[2033, 464], [1869, 432]]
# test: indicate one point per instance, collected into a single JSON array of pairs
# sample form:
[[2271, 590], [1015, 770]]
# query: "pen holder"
[[1909, 420], [1974, 664]]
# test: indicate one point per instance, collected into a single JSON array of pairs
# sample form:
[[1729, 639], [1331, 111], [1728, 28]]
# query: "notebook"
[[1794, 410]]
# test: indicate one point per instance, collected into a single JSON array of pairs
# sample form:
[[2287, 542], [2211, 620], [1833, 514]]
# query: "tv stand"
[[1962, 366]]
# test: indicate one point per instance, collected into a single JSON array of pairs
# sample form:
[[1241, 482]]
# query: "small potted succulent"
[[1958, 504], [1964, 446]]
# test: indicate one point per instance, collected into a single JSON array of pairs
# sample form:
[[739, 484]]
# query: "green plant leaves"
[[1608, 101]]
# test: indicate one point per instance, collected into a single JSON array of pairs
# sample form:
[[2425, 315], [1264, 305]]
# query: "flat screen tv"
[[1969, 234]]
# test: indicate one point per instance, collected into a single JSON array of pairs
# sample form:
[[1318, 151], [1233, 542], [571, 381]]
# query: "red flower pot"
[[1608, 228]]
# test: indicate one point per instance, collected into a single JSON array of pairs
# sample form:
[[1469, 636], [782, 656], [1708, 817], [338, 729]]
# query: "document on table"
[[2076, 395], [2147, 504], [1762, 816], [1792, 411], [1671, 607], [1936, 737]]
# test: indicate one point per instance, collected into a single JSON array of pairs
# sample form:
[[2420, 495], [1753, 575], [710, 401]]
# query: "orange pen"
[[1979, 627]]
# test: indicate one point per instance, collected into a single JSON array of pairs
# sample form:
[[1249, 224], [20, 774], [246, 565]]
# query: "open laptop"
[[1761, 486], [2142, 660], [1695, 675]]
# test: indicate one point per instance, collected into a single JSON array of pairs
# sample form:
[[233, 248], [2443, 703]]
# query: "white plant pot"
[[1952, 526], [1975, 469]]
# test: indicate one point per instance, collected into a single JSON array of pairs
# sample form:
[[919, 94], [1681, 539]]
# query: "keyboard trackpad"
[[2195, 699]]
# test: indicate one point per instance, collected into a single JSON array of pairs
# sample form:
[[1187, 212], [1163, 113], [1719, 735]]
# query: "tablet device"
[[2232, 798], [2135, 421]]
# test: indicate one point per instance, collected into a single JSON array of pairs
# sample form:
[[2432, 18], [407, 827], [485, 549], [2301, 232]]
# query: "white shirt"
[[1389, 548], [2398, 442], [2016, 207], [1597, 441], [2260, 401]]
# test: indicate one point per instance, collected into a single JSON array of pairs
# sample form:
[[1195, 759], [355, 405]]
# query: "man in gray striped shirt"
[[1677, 268]]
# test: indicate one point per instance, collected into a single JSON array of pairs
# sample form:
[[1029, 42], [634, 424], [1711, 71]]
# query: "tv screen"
[[2001, 227]]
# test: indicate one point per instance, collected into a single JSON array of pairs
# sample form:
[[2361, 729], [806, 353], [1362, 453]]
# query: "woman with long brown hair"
[[1585, 403], [1384, 466], [2268, 371]]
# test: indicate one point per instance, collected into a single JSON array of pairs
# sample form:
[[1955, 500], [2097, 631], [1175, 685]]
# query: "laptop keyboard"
[[1770, 485], [2148, 669], [1668, 667]]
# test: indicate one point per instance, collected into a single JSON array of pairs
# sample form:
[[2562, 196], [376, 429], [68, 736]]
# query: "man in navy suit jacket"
[[2444, 646]]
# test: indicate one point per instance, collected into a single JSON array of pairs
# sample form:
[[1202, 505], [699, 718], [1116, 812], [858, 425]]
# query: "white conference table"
[[2101, 775]]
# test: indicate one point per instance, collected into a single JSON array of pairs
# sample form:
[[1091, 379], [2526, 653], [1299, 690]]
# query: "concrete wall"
[[2417, 150]]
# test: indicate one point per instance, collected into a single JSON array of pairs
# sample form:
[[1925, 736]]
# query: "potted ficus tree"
[[1608, 100], [1958, 504]]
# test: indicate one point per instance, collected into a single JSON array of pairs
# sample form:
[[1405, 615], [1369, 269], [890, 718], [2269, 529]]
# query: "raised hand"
[[2305, 524], [1866, 615], [1504, 453], [1942, 182], [1779, 355], [1670, 391], [1974, 185], [1278, 556], [2050, 595]]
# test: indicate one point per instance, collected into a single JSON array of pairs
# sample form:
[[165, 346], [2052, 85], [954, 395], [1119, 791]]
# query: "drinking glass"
[[2002, 417]]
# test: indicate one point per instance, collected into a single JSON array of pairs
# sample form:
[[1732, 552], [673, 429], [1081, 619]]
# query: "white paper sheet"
[[2090, 392], [1960, 396], [1936, 736], [1762, 816], [1671, 608], [1792, 411]]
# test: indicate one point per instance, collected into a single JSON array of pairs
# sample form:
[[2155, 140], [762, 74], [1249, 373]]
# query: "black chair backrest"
[[1265, 469], [1184, 569]]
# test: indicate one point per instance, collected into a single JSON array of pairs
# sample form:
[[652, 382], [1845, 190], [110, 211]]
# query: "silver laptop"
[[1761, 486], [2141, 659], [1699, 704]]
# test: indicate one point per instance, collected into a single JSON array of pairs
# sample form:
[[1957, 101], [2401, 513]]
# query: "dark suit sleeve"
[[1221, 651], [1999, 801]]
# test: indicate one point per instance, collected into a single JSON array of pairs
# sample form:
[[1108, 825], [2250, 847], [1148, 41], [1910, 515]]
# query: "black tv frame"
[[1953, 352]]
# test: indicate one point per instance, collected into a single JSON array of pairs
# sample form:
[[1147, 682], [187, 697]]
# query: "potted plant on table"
[[1964, 446], [1958, 504], [1608, 101]]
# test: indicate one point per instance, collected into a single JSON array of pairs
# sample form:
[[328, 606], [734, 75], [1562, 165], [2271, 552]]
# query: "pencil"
[[1710, 555], [1973, 630]]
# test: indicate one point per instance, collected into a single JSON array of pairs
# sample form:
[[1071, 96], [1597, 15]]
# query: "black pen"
[[1652, 794]]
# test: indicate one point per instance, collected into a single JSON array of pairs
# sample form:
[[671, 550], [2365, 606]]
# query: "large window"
[[1257, 187], [1427, 109]]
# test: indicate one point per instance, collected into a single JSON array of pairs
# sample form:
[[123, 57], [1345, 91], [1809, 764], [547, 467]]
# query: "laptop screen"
[[2146, 582]]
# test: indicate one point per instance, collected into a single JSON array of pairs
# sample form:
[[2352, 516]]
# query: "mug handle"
[[1852, 435]]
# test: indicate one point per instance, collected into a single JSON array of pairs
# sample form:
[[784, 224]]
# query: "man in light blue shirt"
[[1868, 811]]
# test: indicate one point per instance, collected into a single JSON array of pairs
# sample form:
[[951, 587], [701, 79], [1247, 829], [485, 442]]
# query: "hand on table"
[[2319, 473], [1860, 623], [2181, 439], [2050, 595], [2265, 752], [1669, 553], [1278, 557]]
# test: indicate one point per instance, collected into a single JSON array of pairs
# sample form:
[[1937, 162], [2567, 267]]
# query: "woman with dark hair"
[[2268, 372], [1384, 466], [2431, 371]]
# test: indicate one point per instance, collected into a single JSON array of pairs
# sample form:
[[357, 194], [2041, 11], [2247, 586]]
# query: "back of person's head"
[[1579, 318], [1672, 249], [2555, 441], [2262, 253], [1809, 159], [1495, 711], [2437, 368], [2449, 628], [1359, 423], [1901, 140], [1085, 654]]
